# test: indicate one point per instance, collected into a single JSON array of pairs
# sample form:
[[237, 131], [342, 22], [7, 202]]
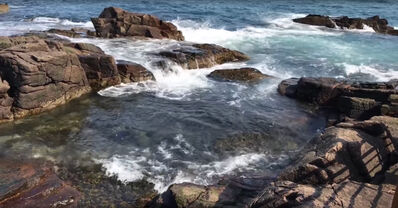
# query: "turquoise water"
[[165, 132]]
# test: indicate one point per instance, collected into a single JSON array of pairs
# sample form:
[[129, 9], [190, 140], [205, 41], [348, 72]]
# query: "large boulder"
[[41, 75], [38, 74], [198, 56], [33, 184], [242, 75], [115, 22], [133, 72], [377, 24]]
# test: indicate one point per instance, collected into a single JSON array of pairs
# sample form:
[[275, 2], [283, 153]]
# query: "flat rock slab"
[[240, 75], [196, 56], [33, 184]]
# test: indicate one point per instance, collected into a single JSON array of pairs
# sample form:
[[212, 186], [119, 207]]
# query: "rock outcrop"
[[30, 184], [196, 56], [378, 25], [39, 74], [242, 75], [115, 22], [356, 100], [4, 8], [346, 194], [133, 72]]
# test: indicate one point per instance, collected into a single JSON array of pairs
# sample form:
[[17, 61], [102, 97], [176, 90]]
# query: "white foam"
[[379, 74], [9, 28], [132, 168]]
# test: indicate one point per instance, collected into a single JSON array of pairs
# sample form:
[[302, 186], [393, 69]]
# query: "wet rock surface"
[[241, 75], [133, 72], [356, 100], [376, 23], [115, 22], [33, 184], [196, 56]]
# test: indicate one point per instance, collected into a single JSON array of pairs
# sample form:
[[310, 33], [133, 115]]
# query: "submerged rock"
[[4, 8], [133, 72], [31, 184], [242, 74], [196, 56], [377, 24], [115, 22]]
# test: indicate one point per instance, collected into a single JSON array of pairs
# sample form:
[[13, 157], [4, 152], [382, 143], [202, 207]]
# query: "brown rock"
[[341, 153], [346, 194], [41, 75], [202, 56], [133, 72], [101, 70], [378, 25], [317, 20], [5, 101], [115, 22], [242, 74], [30, 184]]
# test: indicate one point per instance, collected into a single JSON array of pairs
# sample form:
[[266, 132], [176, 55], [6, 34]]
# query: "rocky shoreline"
[[351, 164]]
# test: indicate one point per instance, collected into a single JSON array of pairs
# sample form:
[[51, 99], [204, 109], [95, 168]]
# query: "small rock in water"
[[242, 74], [197, 56]]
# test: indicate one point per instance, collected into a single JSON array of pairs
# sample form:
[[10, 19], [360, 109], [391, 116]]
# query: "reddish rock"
[[31, 184], [115, 22]]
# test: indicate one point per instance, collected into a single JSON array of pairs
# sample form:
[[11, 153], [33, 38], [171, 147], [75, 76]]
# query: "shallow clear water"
[[166, 131]]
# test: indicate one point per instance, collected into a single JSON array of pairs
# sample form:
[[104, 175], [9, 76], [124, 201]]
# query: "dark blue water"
[[166, 131]]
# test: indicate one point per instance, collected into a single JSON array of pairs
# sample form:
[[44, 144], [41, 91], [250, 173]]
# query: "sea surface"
[[167, 131]]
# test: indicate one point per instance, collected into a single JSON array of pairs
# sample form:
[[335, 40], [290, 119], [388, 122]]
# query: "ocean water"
[[166, 131]]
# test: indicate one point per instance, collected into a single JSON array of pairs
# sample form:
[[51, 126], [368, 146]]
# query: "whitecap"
[[379, 74]]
